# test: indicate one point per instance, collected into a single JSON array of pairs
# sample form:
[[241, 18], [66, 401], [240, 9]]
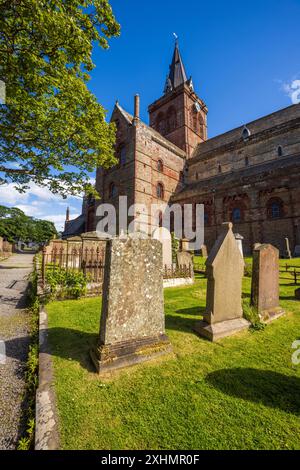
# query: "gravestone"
[[184, 258], [203, 251], [265, 282], [239, 241], [132, 327], [297, 294], [287, 253], [297, 251], [224, 268], [164, 236]]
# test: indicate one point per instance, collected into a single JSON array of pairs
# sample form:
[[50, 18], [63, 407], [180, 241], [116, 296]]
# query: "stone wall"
[[250, 188]]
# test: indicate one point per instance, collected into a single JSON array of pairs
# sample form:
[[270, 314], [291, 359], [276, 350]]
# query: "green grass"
[[241, 393]]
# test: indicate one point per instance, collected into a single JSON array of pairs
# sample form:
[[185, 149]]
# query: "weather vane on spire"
[[176, 37]]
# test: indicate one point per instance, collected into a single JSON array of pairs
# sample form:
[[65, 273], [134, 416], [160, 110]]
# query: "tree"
[[15, 226], [52, 129]]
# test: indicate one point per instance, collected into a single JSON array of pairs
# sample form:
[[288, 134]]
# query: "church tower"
[[179, 115]]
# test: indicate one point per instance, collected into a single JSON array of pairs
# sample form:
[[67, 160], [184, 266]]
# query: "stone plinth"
[[132, 327], [265, 282], [225, 268]]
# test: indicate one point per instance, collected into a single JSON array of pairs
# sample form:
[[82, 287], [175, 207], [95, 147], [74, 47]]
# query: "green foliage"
[[31, 375], [53, 130], [66, 283], [15, 225], [248, 270], [252, 316], [175, 246]]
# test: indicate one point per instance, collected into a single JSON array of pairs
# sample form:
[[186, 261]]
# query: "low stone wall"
[[179, 281]]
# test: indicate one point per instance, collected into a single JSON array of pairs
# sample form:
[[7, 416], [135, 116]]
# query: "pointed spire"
[[177, 74]]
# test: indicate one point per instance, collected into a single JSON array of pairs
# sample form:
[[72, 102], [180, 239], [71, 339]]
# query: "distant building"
[[249, 175]]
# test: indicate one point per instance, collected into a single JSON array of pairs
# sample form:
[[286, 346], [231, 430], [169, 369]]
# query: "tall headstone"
[[265, 282], [224, 268], [164, 236], [132, 327], [287, 253]]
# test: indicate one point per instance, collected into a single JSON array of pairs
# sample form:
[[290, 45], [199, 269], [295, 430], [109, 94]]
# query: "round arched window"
[[160, 191], [275, 208], [236, 214], [160, 166]]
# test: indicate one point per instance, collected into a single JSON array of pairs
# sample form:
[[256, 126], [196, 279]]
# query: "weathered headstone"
[[203, 251], [224, 268], [297, 293], [163, 235], [287, 253], [184, 258], [239, 241], [265, 282], [132, 327], [297, 251]]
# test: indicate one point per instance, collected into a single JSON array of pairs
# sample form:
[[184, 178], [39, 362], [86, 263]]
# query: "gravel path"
[[14, 340]]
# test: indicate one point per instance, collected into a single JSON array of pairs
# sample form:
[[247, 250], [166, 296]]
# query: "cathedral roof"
[[177, 74]]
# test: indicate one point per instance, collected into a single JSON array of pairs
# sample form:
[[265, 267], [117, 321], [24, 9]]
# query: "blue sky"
[[243, 57]]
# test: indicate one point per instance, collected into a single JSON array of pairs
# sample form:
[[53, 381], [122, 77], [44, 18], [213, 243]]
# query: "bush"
[[66, 283], [252, 316]]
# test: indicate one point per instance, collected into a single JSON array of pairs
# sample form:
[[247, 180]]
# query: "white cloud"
[[39, 202], [292, 89]]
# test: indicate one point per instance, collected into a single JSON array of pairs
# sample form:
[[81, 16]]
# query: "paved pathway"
[[14, 339]]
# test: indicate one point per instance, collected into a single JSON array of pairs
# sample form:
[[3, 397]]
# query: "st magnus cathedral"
[[249, 175]]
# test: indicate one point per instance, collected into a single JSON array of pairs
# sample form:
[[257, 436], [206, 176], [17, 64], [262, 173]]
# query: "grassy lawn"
[[241, 393]]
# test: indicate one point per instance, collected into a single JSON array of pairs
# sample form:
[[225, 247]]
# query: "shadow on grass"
[[183, 324], [73, 345], [259, 386]]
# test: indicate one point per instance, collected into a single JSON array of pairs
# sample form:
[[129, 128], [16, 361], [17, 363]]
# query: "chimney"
[[136, 107], [68, 214]]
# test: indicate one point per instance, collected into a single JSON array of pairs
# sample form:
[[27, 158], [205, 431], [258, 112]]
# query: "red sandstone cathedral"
[[249, 175]]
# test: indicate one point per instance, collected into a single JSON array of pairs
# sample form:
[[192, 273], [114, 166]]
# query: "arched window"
[[171, 120], [113, 191], [160, 166], [123, 155], [280, 151], [247, 161], [159, 191], [275, 208], [236, 214], [160, 123]]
